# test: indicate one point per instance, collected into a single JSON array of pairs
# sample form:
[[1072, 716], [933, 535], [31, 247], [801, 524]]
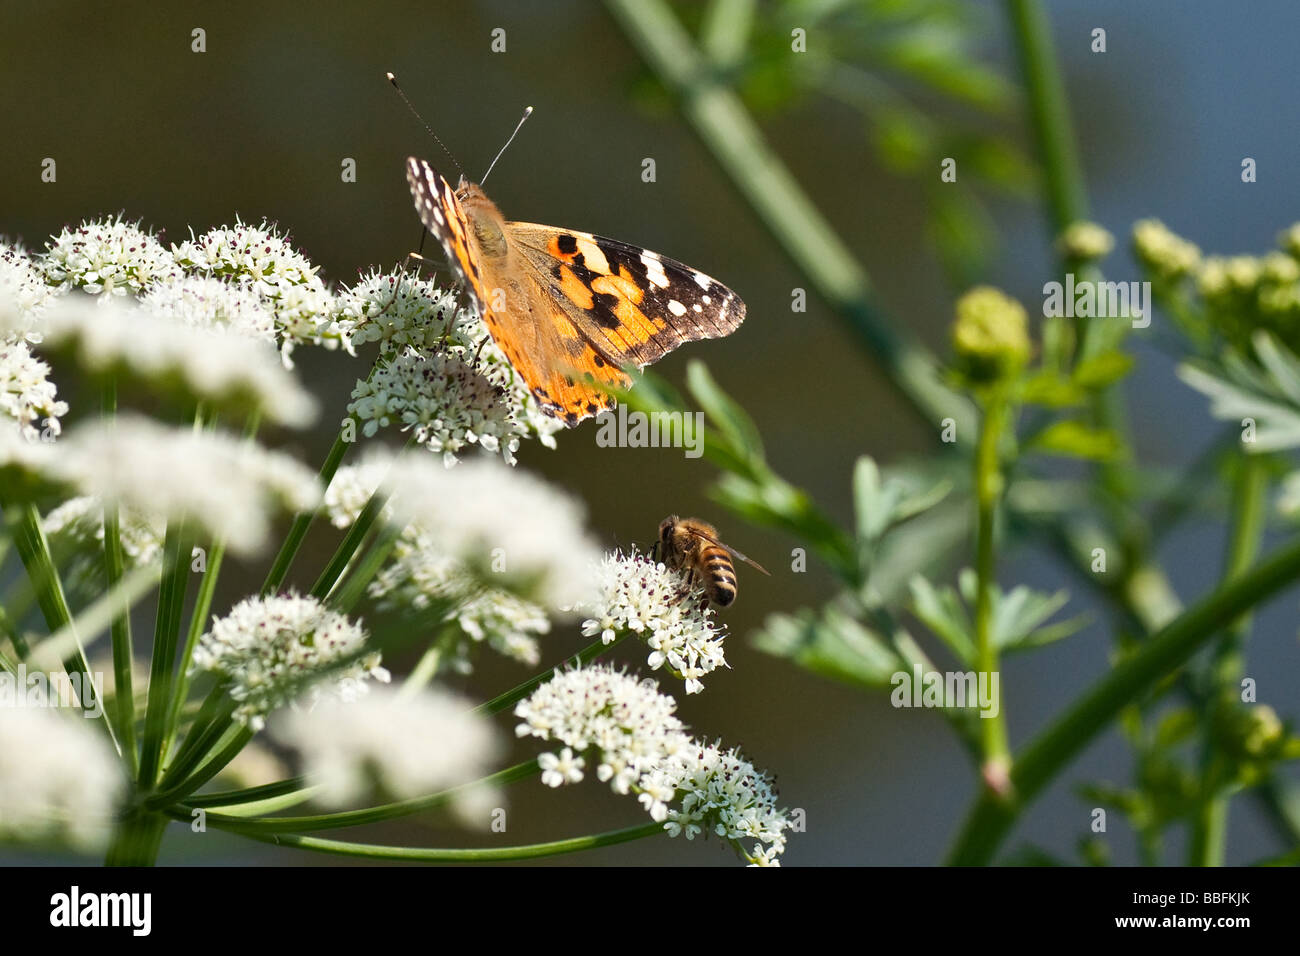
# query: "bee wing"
[[733, 552]]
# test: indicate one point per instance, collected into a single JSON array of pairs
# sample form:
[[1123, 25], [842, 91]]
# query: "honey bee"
[[693, 545]]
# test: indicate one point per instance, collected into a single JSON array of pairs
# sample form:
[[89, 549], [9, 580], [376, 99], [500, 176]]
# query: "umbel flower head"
[[1085, 241], [60, 781], [1165, 256], [400, 745], [225, 486], [285, 649], [261, 258], [182, 360], [506, 527], [441, 378], [27, 396], [990, 336], [631, 733], [639, 595], [421, 574], [107, 256]]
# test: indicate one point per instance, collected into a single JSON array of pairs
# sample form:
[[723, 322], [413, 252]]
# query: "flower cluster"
[[507, 528], [639, 746], [1239, 295], [262, 259], [639, 595], [285, 649], [107, 256], [27, 396], [402, 745], [60, 780], [183, 360], [420, 573], [440, 377], [226, 486]]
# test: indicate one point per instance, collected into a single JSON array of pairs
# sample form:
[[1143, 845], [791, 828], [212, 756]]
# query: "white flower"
[[510, 529], [445, 402], [444, 378], [107, 256], [353, 486], [258, 256], [81, 521], [27, 396], [642, 747], [628, 721], [59, 778], [189, 361], [658, 604], [721, 791], [209, 303], [226, 486], [23, 291], [419, 572], [276, 650], [409, 746], [402, 310], [557, 771]]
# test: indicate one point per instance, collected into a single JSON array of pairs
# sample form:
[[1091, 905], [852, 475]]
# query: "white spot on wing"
[[703, 281], [676, 308], [654, 270], [592, 257]]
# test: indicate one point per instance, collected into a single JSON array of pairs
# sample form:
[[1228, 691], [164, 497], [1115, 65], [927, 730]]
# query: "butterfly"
[[570, 310]]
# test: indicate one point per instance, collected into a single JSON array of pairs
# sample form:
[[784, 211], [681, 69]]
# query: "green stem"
[[137, 838], [377, 814], [351, 589], [990, 819], [495, 854], [198, 620], [120, 629], [34, 550], [303, 521], [171, 602], [996, 752], [1210, 822], [349, 545]]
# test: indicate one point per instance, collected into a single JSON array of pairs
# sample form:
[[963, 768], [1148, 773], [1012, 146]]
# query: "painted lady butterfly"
[[568, 309]]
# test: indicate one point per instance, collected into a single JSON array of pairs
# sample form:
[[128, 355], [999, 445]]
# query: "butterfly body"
[[568, 309]]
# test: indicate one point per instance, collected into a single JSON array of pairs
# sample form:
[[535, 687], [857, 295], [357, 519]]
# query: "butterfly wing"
[[634, 306]]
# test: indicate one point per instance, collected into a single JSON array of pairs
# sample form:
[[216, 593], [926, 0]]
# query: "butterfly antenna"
[[416, 113], [527, 113]]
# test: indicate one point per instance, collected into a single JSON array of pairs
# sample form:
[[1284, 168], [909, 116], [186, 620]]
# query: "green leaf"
[[1018, 617], [1052, 390], [1100, 371], [832, 644], [942, 612], [726, 414], [1267, 393], [1077, 440]]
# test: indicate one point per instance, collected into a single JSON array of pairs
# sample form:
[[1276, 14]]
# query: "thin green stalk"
[[351, 589], [235, 740], [520, 691], [491, 855], [377, 814], [120, 629], [34, 550], [1210, 822], [198, 623], [349, 546], [171, 602], [995, 751], [990, 819], [303, 521]]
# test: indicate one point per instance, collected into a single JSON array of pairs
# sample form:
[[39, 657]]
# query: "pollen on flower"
[[639, 746], [285, 649], [639, 595]]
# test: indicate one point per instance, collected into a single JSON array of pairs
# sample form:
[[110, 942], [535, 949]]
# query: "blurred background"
[[259, 124]]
